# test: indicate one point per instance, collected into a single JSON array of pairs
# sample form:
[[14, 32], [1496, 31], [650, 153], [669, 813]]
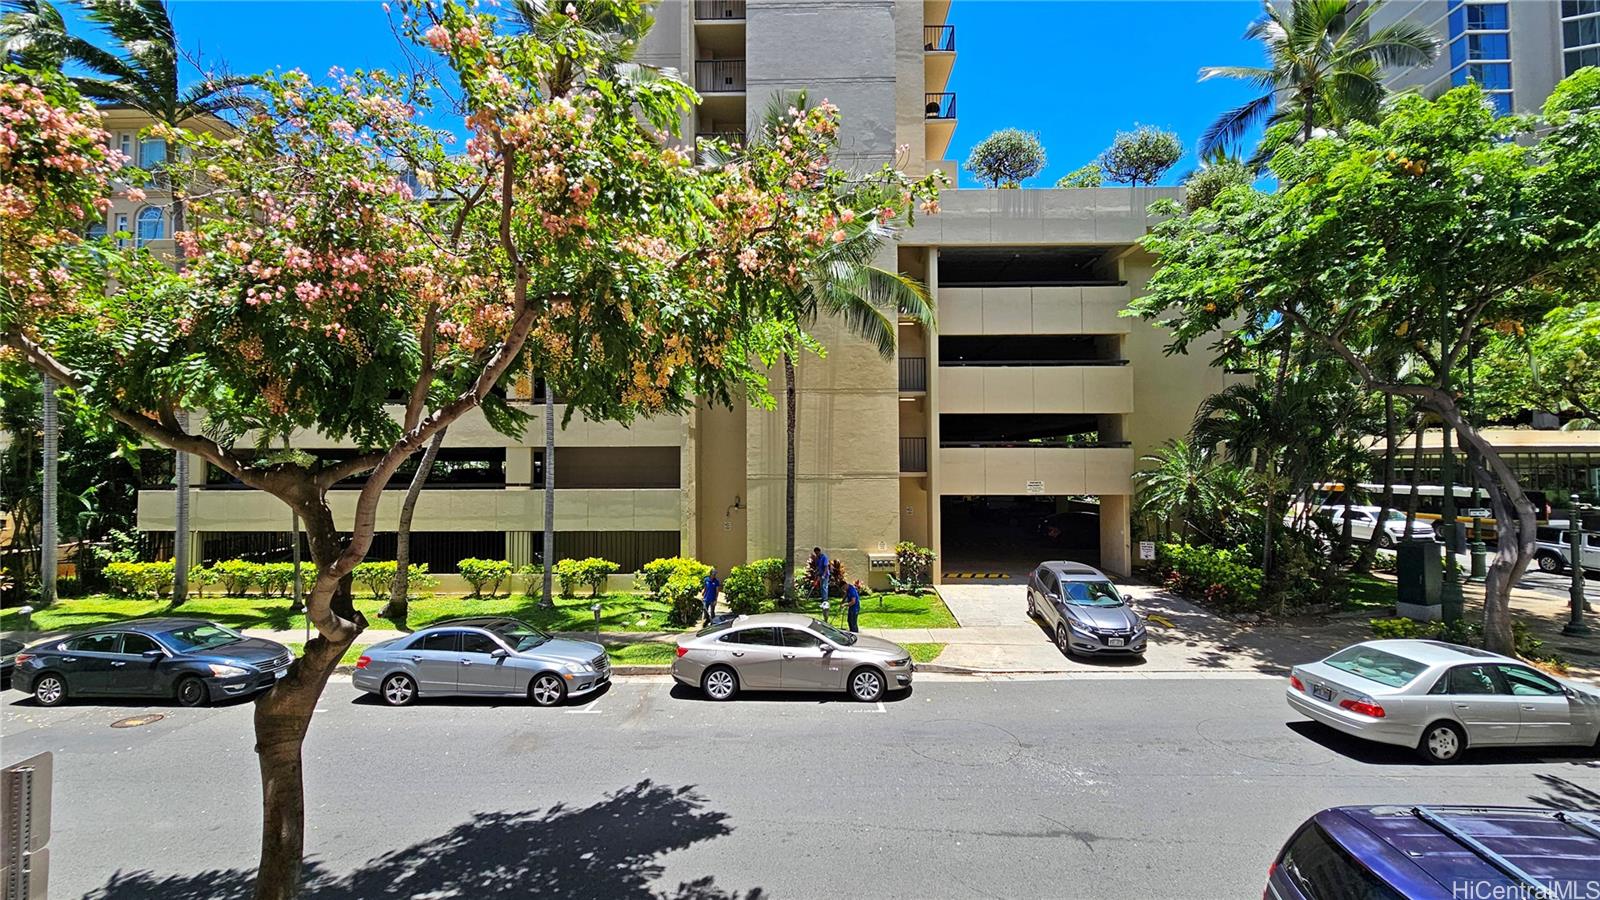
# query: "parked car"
[[1438, 853], [1443, 699], [1554, 553], [8, 660], [483, 656], [1084, 610], [1364, 520], [191, 661], [789, 652]]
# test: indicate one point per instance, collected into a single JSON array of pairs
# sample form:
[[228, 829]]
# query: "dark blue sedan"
[[188, 660], [1439, 853]]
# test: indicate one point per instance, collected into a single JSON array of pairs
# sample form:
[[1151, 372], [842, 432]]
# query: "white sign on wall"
[[1035, 487], [1147, 550]]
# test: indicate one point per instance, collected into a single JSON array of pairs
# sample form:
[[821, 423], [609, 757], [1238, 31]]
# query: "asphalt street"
[[1150, 787]]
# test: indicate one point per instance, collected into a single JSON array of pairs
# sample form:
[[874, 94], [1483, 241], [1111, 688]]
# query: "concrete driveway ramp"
[[987, 605]]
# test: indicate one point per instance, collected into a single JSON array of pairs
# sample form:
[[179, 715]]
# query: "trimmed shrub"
[[682, 593], [770, 571], [199, 578], [591, 572], [746, 590], [378, 577], [1224, 579], [916, 570], [484, 573], [139, 579], [275, 578], [656, 572], [236, 576]]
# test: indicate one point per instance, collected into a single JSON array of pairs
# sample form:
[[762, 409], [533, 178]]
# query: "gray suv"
[[1084, 611], [488, 656]]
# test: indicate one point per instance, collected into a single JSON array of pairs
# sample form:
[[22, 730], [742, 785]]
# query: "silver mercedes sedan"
[[488, 656], [789, 652], [1442, 699]]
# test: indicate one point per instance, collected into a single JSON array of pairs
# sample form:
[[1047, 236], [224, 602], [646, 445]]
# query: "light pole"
[[1479, 553], [1575, 626]]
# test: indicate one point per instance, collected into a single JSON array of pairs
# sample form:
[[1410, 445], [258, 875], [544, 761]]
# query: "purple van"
[[1439, 853]]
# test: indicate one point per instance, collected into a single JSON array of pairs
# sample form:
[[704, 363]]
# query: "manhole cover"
[[136, 721]]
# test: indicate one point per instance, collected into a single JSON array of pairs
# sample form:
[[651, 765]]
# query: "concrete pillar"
[[1115, 535]]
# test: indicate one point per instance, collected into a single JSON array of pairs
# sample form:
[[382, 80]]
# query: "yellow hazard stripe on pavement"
[[976, 576]]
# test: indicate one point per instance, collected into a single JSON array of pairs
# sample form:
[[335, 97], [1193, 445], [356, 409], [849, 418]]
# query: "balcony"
[[1056, 309], [939, 109], [1077, 388], [913, 455], [939, 38], [719, 10], [913, 374], [719, 76]]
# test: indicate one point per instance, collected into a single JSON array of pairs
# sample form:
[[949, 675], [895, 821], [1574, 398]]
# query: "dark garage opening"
[[1010, 535]]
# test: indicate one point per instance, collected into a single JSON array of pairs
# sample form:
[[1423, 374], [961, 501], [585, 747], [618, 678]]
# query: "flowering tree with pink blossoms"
[[349, 273]]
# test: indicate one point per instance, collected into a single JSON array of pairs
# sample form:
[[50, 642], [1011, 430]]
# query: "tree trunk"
[[48, 516], [1270, 523], [789, 394], [180, 464], [547, 552], [1516, 524], [398, 606], [1344, 532], [1386, 503]]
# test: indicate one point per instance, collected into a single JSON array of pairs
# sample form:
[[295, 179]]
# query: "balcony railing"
[[1038, 445], [938, 106], [913, 454], [732, 138], [939, 38], [713, 76], [718, 10], [913, 373]]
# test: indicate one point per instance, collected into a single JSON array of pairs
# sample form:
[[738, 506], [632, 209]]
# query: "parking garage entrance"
[[1002, 538]]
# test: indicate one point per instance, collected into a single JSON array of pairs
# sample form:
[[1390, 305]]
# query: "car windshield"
[[1376, 665], [1090, 593], [519, 636], [842, 638], [1395, 515], [192, 638]]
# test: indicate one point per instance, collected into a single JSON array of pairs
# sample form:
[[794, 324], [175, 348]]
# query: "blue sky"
[[1074, 71]]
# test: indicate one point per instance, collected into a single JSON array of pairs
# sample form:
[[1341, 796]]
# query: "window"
[[475, 642], [1486, 17], [1578, 59], [1376, 665], [762, 637], [136, 644], [1501, 103], [1581, 32], [794, 637], [439, 641], [1528, 683], [1473, 680], [191, 638], [97, 230], [152, 225], [96, 643], [1488, 46], [125, 146], [1570, 8], [122, 228], [1492, 77], [152, 152], [1321, 868]]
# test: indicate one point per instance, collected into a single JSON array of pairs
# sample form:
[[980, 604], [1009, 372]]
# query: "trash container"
[[1419, 567]]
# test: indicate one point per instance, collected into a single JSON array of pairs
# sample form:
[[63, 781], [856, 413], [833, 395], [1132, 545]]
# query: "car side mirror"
[[152, 654], [827, 648], [499, 653]]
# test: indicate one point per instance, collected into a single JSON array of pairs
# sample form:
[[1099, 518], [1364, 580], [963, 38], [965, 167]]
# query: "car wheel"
[[1063, 642], [1549, 562], [720, 683], [1385, 540], [192, 691], [1033, 611], [547, 689], [50, 689], [866, 685], [398, 690], [1442, 742]]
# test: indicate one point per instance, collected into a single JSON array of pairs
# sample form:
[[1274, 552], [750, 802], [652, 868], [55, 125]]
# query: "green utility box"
[[1419, 566]]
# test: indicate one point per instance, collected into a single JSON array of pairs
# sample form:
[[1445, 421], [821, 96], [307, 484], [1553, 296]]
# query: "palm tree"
[[398, 607], [144, 75], [1176, 486], [842, 282], [1324, 67]]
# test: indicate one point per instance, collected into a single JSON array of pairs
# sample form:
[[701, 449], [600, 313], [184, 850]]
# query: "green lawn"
[[923, 653], [649, 653], [1369, 594], [349, 658], [618, 612]]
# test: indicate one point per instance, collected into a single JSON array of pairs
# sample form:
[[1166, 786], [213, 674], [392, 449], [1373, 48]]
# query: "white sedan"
[[1443, 698], [1363, 519]]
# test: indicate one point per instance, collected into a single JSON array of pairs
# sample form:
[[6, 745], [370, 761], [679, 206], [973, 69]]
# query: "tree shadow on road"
[[611, 849], [1563, 793]]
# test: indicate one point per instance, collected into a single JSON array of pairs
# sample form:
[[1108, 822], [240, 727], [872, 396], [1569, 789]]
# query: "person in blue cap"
[[820, 560], [852, 603], [711, 582]]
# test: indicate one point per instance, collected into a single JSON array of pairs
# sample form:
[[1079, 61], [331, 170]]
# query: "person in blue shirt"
[[711, 583], [852, 603], [820, 559]]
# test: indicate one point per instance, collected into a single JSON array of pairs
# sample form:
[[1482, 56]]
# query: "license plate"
[[280, 673], [1322, 692], [1116, 642]]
